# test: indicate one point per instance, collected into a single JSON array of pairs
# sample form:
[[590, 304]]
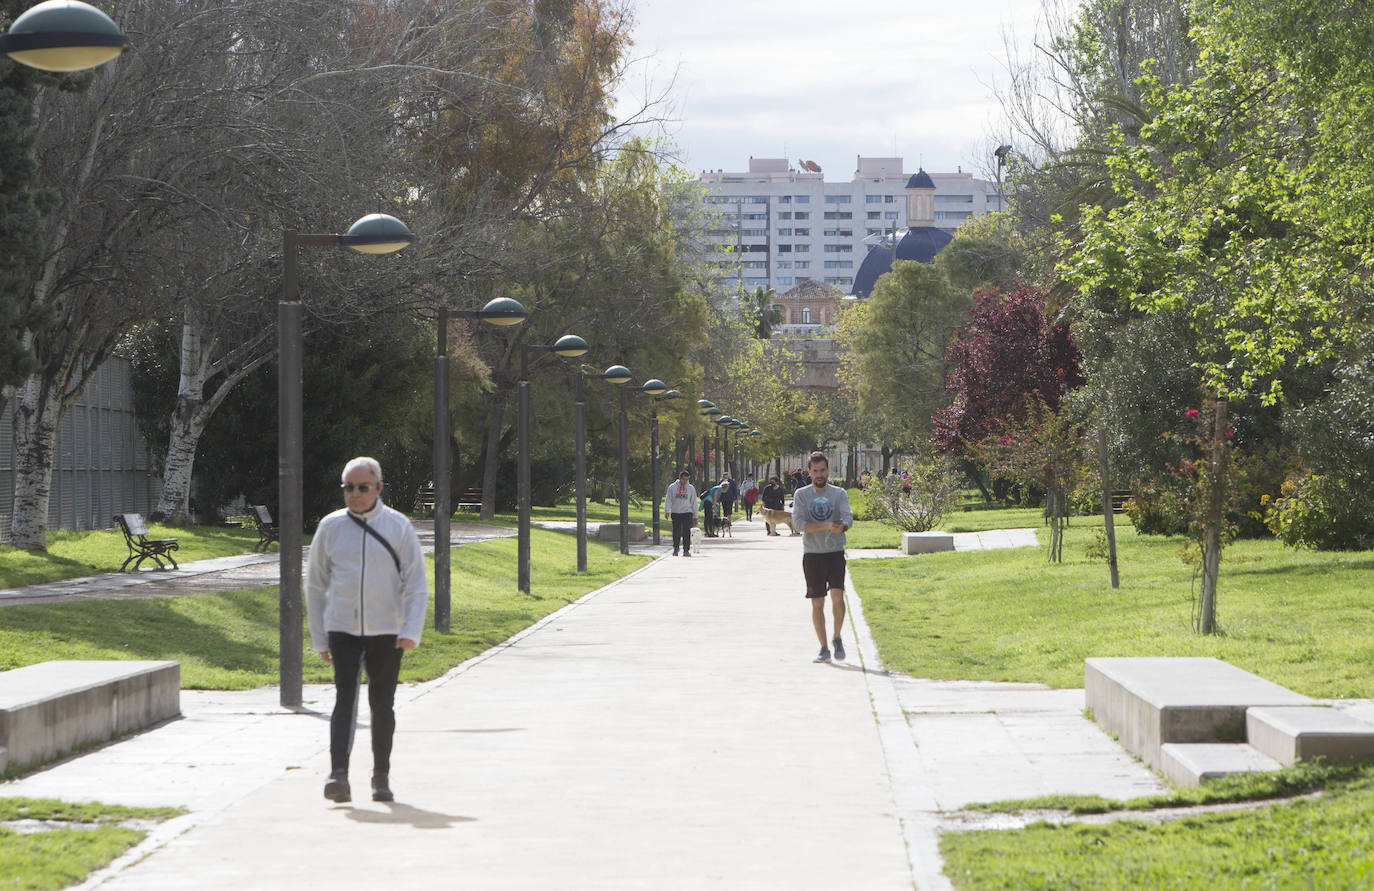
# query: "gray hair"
[[370, 463]]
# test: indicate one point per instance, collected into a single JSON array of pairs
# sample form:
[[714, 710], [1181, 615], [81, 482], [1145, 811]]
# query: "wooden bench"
[[470, 498], [268, 531], [141, 547], [1119, 499], [425, 499]]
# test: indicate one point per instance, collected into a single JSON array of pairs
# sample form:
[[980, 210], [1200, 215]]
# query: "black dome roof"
[[920, 180], [920, 243]]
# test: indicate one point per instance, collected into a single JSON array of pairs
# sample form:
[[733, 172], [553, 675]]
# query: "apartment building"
[[786, 224]]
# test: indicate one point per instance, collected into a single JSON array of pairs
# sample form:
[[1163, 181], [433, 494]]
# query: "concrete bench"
[[1152, 701], [1192, 764], [926, 542], [51, 708], [611, 531], [1293, 734]]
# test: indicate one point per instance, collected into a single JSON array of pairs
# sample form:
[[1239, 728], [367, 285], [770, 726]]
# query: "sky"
[[827, 81]]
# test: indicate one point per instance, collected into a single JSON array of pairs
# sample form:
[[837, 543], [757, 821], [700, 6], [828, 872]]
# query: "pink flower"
[[1192, 413], [1006, 440]]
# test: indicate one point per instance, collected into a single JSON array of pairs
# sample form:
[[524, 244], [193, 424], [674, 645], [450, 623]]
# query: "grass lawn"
[[74, 554], [1298, 618], [1325, 842], [64, 855], [229, 641]]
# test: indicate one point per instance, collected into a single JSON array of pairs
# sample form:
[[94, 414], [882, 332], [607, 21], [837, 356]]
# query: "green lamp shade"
[[755, 433], [712, 412], [724, 419], [503, 311], [654, 385], [377, 233], [570, 345], [63, 35], [705, 403], [672, 394], [617, 374]]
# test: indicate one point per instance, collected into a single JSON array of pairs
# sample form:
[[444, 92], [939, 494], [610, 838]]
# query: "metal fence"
[[102, 465]]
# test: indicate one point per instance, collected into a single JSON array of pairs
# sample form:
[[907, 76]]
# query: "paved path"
[[666, 731]]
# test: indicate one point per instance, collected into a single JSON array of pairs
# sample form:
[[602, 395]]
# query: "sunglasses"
[[361, 487]]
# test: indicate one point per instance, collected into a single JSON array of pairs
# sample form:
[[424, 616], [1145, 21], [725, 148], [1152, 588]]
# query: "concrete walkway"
[[667, 731]]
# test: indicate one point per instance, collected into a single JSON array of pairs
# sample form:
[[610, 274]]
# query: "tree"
[[758, 307]]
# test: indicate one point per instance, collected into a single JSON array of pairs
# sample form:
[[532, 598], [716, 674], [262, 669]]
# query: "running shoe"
[[839, 649], [823, 655]]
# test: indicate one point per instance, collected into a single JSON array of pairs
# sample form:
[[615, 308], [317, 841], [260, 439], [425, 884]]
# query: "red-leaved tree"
[[1008, 353]]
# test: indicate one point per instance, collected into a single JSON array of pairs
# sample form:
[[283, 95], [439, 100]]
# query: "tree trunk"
[[37, 411], [495, 417], [1108, 519], [188, 422], [1211, 551]]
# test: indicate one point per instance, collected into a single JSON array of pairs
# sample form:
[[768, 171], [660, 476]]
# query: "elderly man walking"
[[680, 506], [366, 598]]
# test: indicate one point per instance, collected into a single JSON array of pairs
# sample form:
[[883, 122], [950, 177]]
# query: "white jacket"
[[674, 503], [352, 583]]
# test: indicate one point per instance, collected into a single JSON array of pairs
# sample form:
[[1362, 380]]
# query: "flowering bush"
[[1322, 512], [934, 493]]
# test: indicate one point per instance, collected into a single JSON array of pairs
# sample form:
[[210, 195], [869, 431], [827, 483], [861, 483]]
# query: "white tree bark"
[[37, 411]]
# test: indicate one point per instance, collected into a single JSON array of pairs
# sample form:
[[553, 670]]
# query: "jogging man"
[[821, 511], [365, 597]]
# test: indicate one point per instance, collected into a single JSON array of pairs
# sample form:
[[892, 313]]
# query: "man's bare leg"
[[837, 600], [818, 620]]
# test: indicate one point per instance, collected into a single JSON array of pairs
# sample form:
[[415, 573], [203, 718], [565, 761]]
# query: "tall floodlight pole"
[[501, 312], [373, 234], [569, 345]]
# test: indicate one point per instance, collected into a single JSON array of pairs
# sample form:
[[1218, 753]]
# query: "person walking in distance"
[[821, 511], [365, 598], [749, 493], [774, 498], [680, 506]]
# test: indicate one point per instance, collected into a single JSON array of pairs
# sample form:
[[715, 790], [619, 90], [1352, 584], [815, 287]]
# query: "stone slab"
[[1192, 764], [1298, 733], [1150, 701], [927, 542], [51, 708], [611, 531]]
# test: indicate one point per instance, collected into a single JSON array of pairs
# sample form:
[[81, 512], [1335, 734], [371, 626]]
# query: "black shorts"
[[823, 572]]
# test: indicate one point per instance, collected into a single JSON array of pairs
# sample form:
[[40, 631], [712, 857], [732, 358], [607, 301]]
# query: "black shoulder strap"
[[377, 535]]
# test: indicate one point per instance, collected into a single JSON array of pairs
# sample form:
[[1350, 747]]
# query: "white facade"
[[789, 225]]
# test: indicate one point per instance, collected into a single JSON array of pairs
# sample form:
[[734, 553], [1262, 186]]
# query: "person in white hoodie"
[[366, 598], [680, 506]]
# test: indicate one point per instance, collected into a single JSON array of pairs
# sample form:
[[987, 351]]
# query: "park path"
[[666, 731]]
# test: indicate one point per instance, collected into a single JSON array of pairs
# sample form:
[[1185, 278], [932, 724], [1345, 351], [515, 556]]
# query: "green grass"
[[229, 641], [1298, 618], [1325, 842], [73, 554], [61, 857]]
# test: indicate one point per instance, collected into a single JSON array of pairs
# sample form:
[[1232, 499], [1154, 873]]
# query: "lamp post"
[[620, 375], [1001, 152], [501, 312], [63, 35], [710, 413], [568, 346], [721, 423], [373, 234], [656, 396]]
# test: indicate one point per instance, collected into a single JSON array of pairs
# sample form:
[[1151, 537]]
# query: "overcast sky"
[[827, 81]]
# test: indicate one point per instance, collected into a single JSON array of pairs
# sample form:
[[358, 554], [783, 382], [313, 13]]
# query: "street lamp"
[[1001, 152], [63, 35], [620, 375], [656, 395], [501, 312], [373, 234], [568, 346], [720, 423]]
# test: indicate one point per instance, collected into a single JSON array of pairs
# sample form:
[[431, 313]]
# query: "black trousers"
[[380, 656], [682, 531]]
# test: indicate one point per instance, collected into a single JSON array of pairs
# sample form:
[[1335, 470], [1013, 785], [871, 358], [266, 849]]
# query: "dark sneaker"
[[839, 648], [381, 789], [337, 787], [674, 552], [823, 655]]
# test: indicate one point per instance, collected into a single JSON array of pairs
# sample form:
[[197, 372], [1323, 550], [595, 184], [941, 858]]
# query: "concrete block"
[[1150, 701], [926, 542], [50, 708], [1192, 764], [1298, 733], [611, 531]]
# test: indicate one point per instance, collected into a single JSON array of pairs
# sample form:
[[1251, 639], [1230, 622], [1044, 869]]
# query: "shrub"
[[1323, 513], [934, 493]]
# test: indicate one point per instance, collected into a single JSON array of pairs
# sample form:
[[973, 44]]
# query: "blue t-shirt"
[[812, 505]]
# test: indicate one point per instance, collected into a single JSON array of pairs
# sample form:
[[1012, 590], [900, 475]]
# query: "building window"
[[873, 199], [872, 231], [753, 233], [802, 231], [889, 199], [803, 278], [890, 215], [784, 280], [839, 215], [953, 214], [875, 215], [953, 199], [784, 231], [842, 282], [802, 215], [837, 199], [785, 199], [754, 264], [806, 315], [802, 248], [784, 248], [839, 264], [839, 233], [784, 264], [785, 215], [803, 264], [754, 216], [802, 199], [839, 248]]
